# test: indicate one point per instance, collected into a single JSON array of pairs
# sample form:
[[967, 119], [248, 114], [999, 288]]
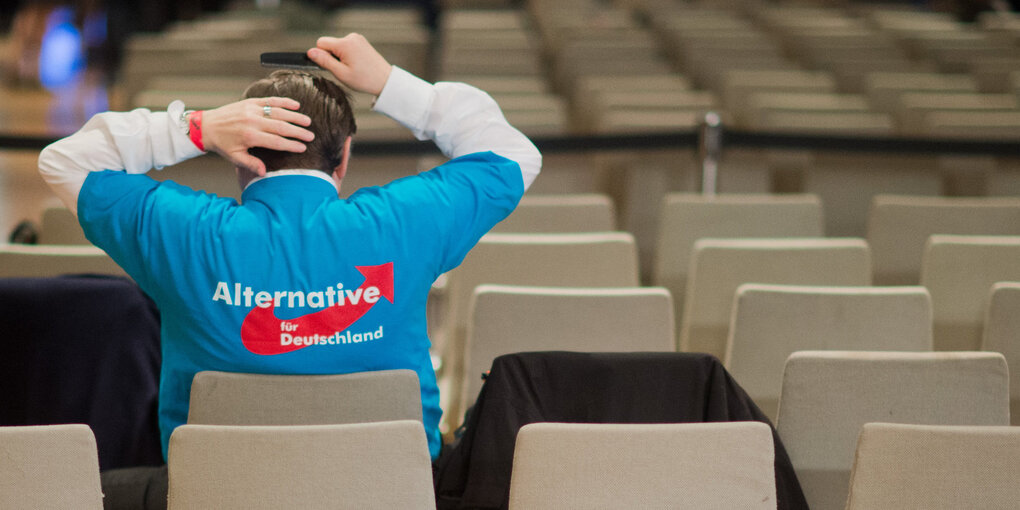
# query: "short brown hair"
[[329, 107]]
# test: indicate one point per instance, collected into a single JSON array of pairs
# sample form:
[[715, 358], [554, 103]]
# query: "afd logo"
[[262, 332]]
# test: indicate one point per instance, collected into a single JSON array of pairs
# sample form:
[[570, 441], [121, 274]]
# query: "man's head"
[[332, 120]]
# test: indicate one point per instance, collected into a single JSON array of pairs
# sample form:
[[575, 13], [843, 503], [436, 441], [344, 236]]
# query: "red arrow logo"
[[263, 333]]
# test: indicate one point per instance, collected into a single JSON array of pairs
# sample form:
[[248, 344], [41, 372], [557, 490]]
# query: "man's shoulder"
[[111, 190]]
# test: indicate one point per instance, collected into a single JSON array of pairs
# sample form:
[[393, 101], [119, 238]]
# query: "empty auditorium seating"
[[768, 110], [900, 225], [771, 322], [223, 398], [975, 125], [831, 174], [885, 88], [685, 218], [49, 466], [777, 74], [697, 465], [365, 465], [912, 108], [959, 272], [720, 266], [828, 395], [1002, 334], [935, 467]]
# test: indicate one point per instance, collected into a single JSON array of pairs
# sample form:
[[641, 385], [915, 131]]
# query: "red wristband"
[[195, 129]]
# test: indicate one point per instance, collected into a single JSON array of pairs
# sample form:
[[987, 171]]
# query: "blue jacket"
[[294, 280]]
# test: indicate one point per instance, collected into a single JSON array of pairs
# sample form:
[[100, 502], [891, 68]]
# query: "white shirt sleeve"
[[135, 141], [459, 118]]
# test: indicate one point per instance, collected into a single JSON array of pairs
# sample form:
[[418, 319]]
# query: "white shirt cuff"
[[406, 99]]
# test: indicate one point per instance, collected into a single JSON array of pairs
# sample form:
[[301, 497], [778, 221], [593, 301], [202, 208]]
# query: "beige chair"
[[980, 125], [507, 319], [861, 123], [686, 217], [914, 106], [959, 271], [761, 105], [720, 266], [600, 259], [677, 465], [49, 466], [1002, 334], [60, 226], [771, 322], [379, 465], [31, 260], [582, 212], [610, 107], [739, 84], [828, 395], [224, 398], [833, 174], [885, 88], [899, 226], [935, 467]]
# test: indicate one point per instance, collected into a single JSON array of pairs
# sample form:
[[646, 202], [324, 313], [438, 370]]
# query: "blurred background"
[[882, 70]]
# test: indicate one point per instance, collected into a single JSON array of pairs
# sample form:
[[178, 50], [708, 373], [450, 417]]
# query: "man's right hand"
[[232, 129], [353, 61]]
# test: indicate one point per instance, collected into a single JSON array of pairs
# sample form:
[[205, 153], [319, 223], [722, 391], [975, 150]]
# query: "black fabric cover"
[[83, 349], [589, 388]]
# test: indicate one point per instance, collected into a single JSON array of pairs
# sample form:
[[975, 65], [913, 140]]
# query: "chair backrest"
[[581, 212], [380, 465], [1002, 334], [935, 467], [60, 226], [601, 259], [507, 319], [676, 465], [771, 322], [224, 398], [959, 271], [49, 466], [899, 226], [686, 217], [828, 395], [720, 266], [33, 260]]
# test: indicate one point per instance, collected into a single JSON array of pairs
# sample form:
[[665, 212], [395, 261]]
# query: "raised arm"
[[140, 140], [460, 119]]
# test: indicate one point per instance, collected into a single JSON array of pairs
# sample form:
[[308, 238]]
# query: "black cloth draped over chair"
[[589, 388], [83, 349]]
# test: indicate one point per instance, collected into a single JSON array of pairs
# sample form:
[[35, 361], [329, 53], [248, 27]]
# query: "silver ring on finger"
[[267, 111]]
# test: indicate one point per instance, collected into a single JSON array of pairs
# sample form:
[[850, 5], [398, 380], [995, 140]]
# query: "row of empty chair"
[[898, 226], [829, 399], [774, 67], [555, 466], [932, 312], [727, 321], [959, 273], [614, 67]]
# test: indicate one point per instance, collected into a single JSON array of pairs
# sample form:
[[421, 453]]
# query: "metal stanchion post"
[[708, 152]]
